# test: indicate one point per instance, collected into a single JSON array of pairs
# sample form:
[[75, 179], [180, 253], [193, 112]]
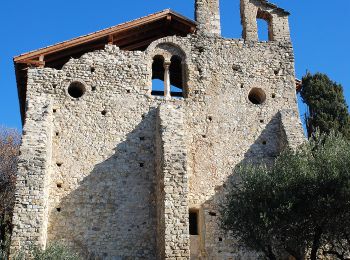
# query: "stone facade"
[[116, 171]]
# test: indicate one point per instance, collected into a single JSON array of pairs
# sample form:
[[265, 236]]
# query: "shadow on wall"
[[112, 214], [217, 245]]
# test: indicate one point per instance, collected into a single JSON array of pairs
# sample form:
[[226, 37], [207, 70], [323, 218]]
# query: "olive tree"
[[299, 206]]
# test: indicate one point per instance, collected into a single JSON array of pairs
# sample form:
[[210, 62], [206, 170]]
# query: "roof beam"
[[155, 27], [139, 44], [76, 50], [141, 36], [36, 63], [104, 33]]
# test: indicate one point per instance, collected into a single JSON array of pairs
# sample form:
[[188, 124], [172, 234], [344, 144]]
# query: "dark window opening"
[[158, 76], [257, 96], [76, 89], [176, 77], [211, 213], [193, 221], [175, 74]]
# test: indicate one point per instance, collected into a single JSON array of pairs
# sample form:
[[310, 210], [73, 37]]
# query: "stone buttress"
[[172, 184], [32, 187]]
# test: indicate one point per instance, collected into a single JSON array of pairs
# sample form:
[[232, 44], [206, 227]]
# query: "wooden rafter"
[[112, 30]]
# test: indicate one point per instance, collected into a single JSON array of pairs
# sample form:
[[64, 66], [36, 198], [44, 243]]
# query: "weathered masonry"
[[131, 133]]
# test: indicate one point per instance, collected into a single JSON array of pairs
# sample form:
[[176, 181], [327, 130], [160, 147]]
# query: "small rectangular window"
[[193, 220]]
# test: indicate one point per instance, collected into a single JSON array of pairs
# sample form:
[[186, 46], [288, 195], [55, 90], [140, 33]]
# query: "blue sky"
[[320, 33]]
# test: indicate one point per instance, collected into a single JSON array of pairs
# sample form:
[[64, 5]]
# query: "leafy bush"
[[4, 246], [300, 205], [55, 251]]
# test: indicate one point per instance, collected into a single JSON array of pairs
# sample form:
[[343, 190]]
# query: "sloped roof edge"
[[275, 7], [103, 33]]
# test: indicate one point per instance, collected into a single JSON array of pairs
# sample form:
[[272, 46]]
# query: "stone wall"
[[208, 16], [289, 138], [30, 215], [107, 170], [172, 183]]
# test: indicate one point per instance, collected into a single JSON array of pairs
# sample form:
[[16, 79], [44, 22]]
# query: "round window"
[[257, 96], [76, 89]]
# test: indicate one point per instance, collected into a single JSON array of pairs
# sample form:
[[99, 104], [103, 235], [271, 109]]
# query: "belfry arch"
[[169, 66]]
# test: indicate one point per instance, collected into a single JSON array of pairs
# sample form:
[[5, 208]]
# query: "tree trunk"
[[316, 243], [270, 253], [2, 227], [295, 255]]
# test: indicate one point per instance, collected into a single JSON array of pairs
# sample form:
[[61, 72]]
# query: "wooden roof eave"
[[24, 58]]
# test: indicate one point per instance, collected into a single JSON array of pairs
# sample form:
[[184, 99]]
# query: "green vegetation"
[[327, 107], [56, 251], [299, 206]]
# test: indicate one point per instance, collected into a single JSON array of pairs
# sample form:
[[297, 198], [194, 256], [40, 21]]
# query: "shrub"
[[300, 205], [54, 251]]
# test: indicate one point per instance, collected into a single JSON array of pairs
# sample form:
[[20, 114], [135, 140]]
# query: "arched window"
[[176, 77], [168, 77], [158, 76]]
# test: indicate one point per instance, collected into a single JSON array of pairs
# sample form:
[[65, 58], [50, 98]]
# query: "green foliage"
[[56, 251], [327, 106], [299, 205], [4, 245]]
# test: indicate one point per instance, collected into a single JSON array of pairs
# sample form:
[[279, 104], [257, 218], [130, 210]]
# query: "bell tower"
[[207, 15]]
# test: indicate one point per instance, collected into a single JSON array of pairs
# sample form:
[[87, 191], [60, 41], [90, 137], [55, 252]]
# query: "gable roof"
[[133, 35]]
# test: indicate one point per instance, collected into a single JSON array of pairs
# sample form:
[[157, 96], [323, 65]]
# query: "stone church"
[[119, 167]]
